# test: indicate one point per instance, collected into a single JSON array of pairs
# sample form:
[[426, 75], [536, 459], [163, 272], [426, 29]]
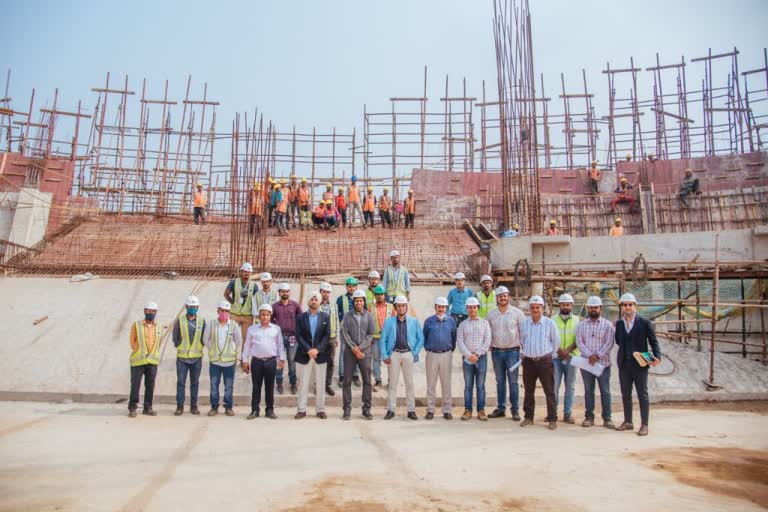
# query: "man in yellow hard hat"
[[594, 178], [256, 201], [273, 196], [304, 206], [553, 231], [623, 195], [341, 206], [293, 202], [369, 206], [410, 209], [617, 229], [200, 202], [385, 207], [690, 185]]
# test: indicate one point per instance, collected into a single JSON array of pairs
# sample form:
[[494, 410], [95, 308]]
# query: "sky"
[[317, 63]]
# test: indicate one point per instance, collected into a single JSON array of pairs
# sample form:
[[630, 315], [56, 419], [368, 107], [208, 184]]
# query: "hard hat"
[[266, 276], [151, 305], [373, 274], [400, 299], [277, 186], [370, 189], [553, 221], [192, 301], [326, 287], [303, 180], [224, 305], [689, 171], [536, 299], [265, 307], [257, 185], [271, 180], [199, 184], [351, 281], [315, 295], [283, 181], [472, 301], [629, 156], [486, 278], [623, 179], [341, 189], [410, 191], [565, 298], [386, 189], [359, 294], [627, 297], [501, 289], [328, 185], [283, 287], [516, 226], [594, 301], [293, 176], [441, 301], [379, 290], [246, 267], [618, 219], [594, 162], [459, 275], [354, 178], [393, 253]]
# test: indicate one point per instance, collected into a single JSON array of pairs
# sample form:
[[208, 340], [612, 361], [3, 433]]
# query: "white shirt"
[[263, 342]]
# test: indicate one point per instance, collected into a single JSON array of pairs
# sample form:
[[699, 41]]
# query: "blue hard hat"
[[354, 178]]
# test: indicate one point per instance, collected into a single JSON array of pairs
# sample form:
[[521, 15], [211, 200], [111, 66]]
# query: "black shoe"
[[254, 414], [329, 391], [132, 413], [280, 388], [346, 415], [356, 380], [194, 410], [294, 389], [367, 415], [412, 416], [270, 414], [341, 381], [179, 410], [429, 416], [149, 412], [300, 415], [497, 413], [389, 415], [322, 415], [447, 416], [515, 416]]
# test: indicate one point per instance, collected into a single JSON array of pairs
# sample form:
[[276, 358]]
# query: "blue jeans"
[[193, 369], [229, 383], [290, 353], [604, 382], [502, 362], [474, 376], [564, 368]]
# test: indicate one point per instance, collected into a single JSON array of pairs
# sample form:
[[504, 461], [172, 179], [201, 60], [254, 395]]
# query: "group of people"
[[263, 332]]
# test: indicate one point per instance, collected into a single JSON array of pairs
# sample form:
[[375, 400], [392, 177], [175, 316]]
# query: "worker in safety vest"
[[188, 340], [355, 202], [369, 207], [145, 357], [594, 178], [304, 208], [264, 296], [396, 279], [328, 194], [385, 209], [380, 310], [240, 292], [223, 340], [281, 210], [374, 278], [486, 296], [200, 202], [410, 209], [553, 230], [341, 206], [256, 200], [566, 323], [293, 202], [617, 229]]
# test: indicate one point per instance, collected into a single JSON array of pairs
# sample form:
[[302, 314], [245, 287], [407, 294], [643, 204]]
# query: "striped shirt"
[[595, 337], [505, 327], [539, 338], [473, 337]]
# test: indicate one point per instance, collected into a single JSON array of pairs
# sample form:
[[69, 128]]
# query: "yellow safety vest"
[[141, 357], [229, 354], [246, 308], [486, 303], [187, 350], [567, 331], [375, 315], [396, 288], [330, 310]]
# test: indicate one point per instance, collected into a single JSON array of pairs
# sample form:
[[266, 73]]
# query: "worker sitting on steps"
[[690, 185], [623, 195]]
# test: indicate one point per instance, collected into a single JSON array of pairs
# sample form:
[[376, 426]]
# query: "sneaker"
[[467, 415], [587, 423], [412, 416], [609, 424], [329, 391], [280, 388], [526, 422], [228, 411], [376, 386], [429, 416], [300, 415], [447, 416], [132, 413], [254, 414], [515, 416], [179, 410], [568, 418], [482, 416], [497, 413], [214, 411], [194, 410], [389, 415], [643, 430], [294, 389], [625, 426], [552, 425], [322, 415], [356, 380]]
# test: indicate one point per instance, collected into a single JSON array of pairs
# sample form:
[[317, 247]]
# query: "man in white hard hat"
[[540, 342], [266, 295], [506, 322], [595, 338], [374, 278], [396, 279], [222, 339], [145, 357], [284, 313], [473, 337], [439, 343], [263, 355], [356, 339], [240, 292], [457, 298], [486, 296], [401, 341], [188, 340], [328, 307], [313, 332], [634, 334], [566, 323]]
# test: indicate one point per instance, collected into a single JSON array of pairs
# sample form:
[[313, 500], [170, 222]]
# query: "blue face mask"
[[149, 317], [192, 311]]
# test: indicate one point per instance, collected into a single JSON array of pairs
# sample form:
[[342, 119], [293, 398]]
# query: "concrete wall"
[[24, 216]]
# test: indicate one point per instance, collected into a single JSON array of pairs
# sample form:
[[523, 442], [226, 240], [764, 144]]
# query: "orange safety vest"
[[257, 202], [369, 203], [200, 200], [354, 194], [341, 204], [293, 195], [327, 195], [594, 174], [385, 203], [410, 205], [303, 196], [617, 231], [553, 232], [282, 206], [319, 212]]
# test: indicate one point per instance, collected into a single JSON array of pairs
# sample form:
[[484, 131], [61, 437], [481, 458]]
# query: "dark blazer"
[[643, 334], [306, 342]]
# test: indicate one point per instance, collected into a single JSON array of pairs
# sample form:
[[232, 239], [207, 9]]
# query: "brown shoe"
[[609, 424], [300, 415], [643, 430], [228, 411], [567, 418], [552, 425], [179, 411], [132, 413], [322, 415], [587, 423], [526, 422], [482, 416], [213, 412], [625, 426], [467, 415]]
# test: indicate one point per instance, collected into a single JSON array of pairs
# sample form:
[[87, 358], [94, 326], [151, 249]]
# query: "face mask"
[[149, 317], [441, 317], [192, 311], [223, 316]]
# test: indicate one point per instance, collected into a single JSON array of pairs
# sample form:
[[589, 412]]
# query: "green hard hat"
[[351, 280], [379, 290]]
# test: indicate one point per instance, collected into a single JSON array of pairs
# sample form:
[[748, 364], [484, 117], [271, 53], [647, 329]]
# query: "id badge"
[[292, 341]]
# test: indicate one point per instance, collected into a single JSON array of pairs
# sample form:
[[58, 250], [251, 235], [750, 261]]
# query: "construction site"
[[512, 176]]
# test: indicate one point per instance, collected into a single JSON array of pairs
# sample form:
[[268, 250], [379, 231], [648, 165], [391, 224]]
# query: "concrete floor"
[[84, 457]]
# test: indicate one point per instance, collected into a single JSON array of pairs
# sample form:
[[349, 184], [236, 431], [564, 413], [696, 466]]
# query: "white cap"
[[373, 274], [224, 305], [247, 267], [565, 298], [192, 301], [358, 294], [326, 286], [265, 307], [315, 294], [502, 289], [283, 286], [472, 301], [459, 275], [594, 301], [441, 301], [486, 278], [393, 253], [401, 300], [627, 297], [151, 305], [266, 276], [536, 299]]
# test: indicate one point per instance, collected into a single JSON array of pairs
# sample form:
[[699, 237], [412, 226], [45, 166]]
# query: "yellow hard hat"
[[271, 180], [303, 180], [328, 185], [618, 219], [199, 184], [410, 191], [553, 221], [283, 181], [386, 189], [516, 226], [257, 185], [623, 179], [370, 188], [293, 176], [341, 189], [594, 162], [629, 157], [277, 186]]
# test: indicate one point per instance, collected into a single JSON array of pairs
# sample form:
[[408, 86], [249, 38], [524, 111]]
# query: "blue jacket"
[[389, 337]]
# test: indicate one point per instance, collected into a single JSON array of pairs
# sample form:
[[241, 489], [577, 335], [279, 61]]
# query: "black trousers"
[[263, 375], [364, 364], [631, 374], [409, 218], [199, 213], [544, 371], [386, 218], [368, 218], [343, 212], [148, 372]]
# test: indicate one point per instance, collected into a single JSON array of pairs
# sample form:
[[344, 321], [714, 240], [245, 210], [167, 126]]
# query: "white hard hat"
[[627, 297], [594, 301], [565, 298], [266, 276], [536, 299], [283, 286], [486, 278], [401, 300], [151, 305], [373, 274], [326, 286], [472, 301], [246, 267], [393, 254], [459, 275], [265, 307], [441, 301], [224, 305], [502, 289], [192, 301], [359, 294]]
